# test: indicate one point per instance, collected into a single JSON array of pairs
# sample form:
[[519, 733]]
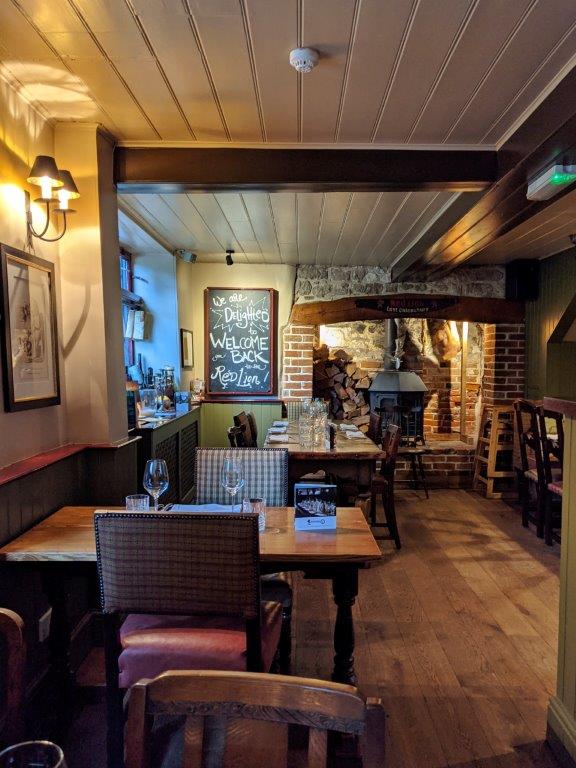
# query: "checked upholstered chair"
[[265, 474], [265, 477], [190, 584]]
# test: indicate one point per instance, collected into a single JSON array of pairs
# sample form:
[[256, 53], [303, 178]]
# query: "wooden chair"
[[375, 427], [13, 654], [532, 464], [552, 459], [236, 437], [190, 584], [248, 423], [241, 720], [382, 484]]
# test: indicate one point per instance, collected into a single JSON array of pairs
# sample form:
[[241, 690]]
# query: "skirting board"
[[561, 733]]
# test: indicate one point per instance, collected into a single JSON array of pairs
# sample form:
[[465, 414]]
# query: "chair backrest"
[[390, 445], [253, 427], [528, 430], [265, 474], [242, 719], [551, 447], [236, 437], [243, 420], [13, 655], [178, 563], [375, 427], [294, 408]]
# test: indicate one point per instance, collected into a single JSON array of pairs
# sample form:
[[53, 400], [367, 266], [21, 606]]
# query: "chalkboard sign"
[[240, 330]]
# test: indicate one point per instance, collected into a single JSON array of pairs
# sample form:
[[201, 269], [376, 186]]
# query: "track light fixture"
[[229, 259], [52, 181]]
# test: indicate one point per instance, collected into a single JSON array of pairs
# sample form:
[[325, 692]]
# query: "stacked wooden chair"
[[540, 475], [247, 424]]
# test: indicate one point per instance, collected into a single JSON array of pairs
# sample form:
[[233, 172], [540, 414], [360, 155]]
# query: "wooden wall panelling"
[[557, 286], [111, 474]]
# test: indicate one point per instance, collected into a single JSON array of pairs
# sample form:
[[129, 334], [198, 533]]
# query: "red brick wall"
[[504, 363], [298, 342]]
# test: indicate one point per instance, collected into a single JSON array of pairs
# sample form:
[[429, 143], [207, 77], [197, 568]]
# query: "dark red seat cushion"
[[153, 644]]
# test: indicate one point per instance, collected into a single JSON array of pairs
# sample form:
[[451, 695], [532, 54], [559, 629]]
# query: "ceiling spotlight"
[[229, 259], [303, 59]]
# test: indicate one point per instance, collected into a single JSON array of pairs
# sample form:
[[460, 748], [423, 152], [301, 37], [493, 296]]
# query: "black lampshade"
[[45, 168], [68, 184]]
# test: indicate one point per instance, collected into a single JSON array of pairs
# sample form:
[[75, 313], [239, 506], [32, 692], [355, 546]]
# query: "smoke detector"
[[303, 59]]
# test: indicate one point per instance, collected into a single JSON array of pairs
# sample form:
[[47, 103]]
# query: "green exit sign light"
[[551, 181]]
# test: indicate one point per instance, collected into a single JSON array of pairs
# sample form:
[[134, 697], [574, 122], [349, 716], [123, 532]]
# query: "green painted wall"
[[217, 417], [557, 287]]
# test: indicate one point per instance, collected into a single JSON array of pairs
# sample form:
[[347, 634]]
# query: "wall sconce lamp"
[[57, 187]]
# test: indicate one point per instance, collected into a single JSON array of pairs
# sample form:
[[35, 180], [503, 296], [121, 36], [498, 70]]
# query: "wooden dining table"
[[65, 540], [350, 463]]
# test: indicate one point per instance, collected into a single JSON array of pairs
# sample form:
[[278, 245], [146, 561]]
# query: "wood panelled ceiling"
[[418, 72], [334, 228]]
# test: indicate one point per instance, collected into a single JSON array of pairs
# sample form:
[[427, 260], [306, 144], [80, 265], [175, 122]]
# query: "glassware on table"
[[148, 399], [33, 754], [231, 477], [305, 430], [156, 480], [258, 506], [138, 502], [320, 421]]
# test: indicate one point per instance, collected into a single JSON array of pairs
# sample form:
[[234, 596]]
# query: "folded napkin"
[[280, 423], [347, 427], [354, 435], [278, 438], [276, 430], [203, 508]]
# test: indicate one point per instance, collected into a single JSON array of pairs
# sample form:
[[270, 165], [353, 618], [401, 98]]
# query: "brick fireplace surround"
[[450, 461]]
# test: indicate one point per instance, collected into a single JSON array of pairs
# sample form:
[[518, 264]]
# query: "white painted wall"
[[155, 282], [23, 135]]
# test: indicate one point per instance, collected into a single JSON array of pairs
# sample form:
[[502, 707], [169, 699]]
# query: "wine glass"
[[231, 477], [156, 479], [33, 754]]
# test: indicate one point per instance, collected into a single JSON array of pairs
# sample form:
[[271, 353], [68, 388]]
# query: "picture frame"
[[186, 349], [28, 331]]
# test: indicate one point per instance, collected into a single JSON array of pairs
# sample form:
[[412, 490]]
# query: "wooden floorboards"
[[456, 633]]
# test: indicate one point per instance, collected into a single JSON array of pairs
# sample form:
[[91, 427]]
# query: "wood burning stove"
[[399, 395]]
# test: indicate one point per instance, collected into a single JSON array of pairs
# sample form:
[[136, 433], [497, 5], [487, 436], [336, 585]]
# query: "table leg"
[[345, 590]]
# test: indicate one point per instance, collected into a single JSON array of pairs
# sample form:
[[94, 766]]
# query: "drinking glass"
[[138, 502], [33, 754], [257, 506], [156, 479], [305, 431], [231, 477]]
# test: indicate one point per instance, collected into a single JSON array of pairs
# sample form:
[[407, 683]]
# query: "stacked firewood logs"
[[341, 382]]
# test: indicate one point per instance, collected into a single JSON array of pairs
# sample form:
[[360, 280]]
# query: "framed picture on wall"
[[29, 338], [186, 348]]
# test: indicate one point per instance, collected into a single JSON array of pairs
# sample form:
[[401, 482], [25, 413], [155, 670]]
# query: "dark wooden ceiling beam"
[[546, 137], [471, 308], [165, 169]]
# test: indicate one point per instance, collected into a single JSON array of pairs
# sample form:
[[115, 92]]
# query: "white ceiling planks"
[[331, 228], [461, 72]]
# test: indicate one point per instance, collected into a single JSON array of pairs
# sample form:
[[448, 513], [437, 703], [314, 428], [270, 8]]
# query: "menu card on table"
[[314, 507]]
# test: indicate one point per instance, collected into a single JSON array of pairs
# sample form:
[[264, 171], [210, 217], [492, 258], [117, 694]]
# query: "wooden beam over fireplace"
[[170, 170], [472, 308], [547, 136]]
